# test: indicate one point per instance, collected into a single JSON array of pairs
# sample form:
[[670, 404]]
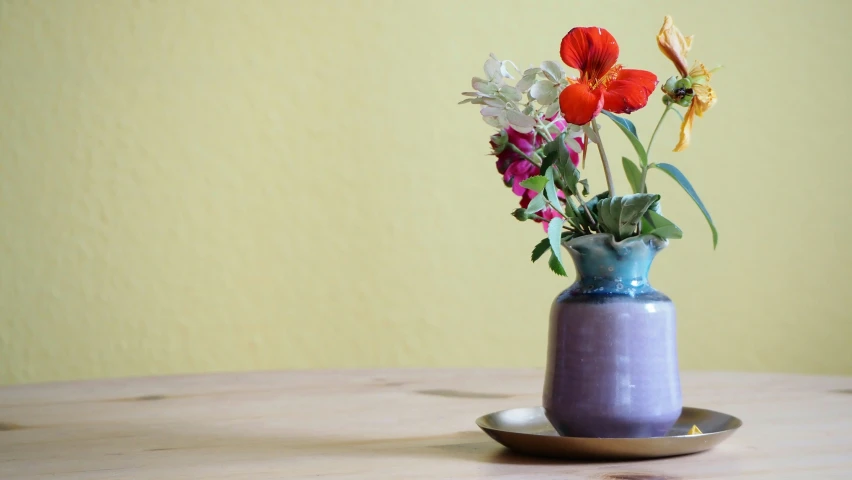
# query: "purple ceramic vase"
[[612, 368]]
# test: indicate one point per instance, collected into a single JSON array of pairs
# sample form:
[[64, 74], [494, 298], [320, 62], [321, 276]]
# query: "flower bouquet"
[[612, 359]]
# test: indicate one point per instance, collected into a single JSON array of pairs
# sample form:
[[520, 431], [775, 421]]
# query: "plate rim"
[[738, 423]]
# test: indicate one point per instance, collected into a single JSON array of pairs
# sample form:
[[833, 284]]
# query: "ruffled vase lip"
[[596, 240]]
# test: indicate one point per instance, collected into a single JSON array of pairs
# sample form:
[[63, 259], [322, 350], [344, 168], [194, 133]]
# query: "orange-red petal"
[[629, 91], [591, 50], [580, 104]]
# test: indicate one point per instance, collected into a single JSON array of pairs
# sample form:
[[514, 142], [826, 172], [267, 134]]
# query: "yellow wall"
[[195, 186]]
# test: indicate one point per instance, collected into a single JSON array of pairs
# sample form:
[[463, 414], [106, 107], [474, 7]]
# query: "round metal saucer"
[[527, 430]]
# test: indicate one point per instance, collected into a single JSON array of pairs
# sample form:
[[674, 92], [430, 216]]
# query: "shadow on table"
[[466, 446]]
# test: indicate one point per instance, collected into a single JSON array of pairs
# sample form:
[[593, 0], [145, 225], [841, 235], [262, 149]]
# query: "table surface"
[[377, 424]]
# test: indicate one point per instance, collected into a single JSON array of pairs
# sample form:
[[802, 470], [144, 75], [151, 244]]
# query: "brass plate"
[[527, 431]]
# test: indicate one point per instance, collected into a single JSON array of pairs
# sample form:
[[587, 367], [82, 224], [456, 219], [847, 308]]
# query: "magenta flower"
[[526, 143], [515, 167], [517, 173], [547, 214]]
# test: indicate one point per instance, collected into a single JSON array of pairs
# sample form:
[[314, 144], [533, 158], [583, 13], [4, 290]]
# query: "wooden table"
[[388, 424]]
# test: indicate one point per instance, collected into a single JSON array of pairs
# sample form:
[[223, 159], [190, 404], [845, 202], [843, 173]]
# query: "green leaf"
[[569, 174], [627, 127], [585, 184], [555, 264], [647, 221], [634, 176], [680, 178], [540, 248], [537, 204], [548, 160], [620, 215], [594, 202], [550, 191], [536, 183], [554, 237], [554, 234], [662, 226], [622, 122]]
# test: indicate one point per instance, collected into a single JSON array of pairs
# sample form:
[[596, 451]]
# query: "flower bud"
[[683, 84], [521, 214], [499, 142], [669, 86]]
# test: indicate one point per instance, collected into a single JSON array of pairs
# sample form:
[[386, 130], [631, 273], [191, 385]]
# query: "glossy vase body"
[[612, 367]]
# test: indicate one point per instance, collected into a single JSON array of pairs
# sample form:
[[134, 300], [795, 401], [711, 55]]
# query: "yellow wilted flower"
[[692, 89]]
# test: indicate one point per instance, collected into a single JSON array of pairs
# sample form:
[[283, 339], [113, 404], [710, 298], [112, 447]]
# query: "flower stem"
[[545, 129], [573, 207], [554, 207], [645, 168], [607, 171], [660, 122], [521, 152], [586, 208]]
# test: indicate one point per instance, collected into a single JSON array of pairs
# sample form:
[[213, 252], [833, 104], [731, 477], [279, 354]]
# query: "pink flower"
[[527, 143], [547, 214], [517, 173], [515, 167]]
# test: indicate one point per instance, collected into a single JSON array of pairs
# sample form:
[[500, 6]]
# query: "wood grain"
[[387, 424]]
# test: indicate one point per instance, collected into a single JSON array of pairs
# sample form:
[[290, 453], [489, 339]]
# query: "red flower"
[[603, 84]]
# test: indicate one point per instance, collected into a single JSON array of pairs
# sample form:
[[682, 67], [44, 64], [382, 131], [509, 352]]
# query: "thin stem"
[[660, 122], [647, 167], [642, 179], [571, 204], [554, 207], [545, 129], [586, 208], [609, 183], [521, 152]]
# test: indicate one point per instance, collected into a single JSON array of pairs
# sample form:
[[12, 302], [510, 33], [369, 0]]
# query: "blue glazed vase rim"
[[579, 244]]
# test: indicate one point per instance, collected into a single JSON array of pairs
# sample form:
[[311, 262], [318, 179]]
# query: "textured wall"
[[200, 185]]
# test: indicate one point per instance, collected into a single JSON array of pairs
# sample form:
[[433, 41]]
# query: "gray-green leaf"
[[620, 215], [519, 121], [552, 70], [511, 93], [680, 178], [544, 92], [483, 86], [525, 83], [492, 67], [552, 110]]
